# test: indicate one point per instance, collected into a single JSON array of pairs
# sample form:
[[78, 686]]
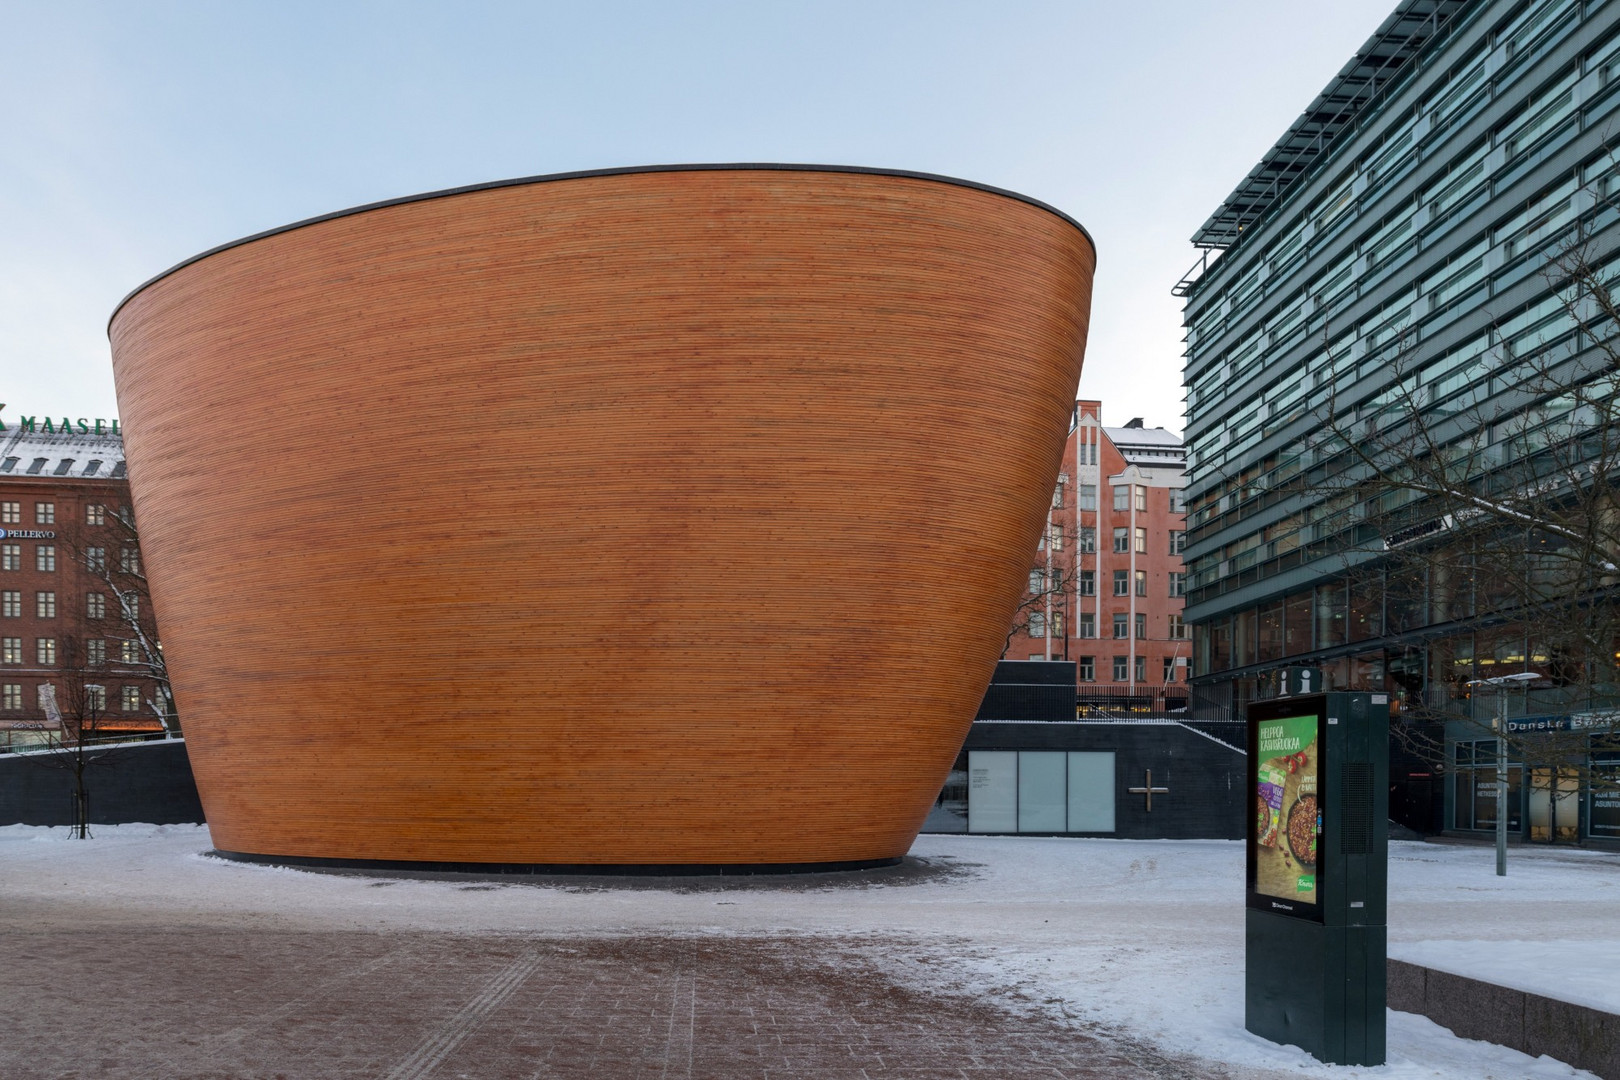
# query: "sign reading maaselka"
[[66, 426]]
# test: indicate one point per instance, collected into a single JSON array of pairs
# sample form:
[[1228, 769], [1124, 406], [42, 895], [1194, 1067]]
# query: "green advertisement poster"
[[1288, 817]]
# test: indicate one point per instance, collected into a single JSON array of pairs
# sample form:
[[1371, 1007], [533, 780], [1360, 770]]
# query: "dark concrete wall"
[[148, 782], [1205, 777], [1583, 1037]]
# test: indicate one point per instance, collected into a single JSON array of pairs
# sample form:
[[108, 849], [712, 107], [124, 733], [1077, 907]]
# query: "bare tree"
[[1049, 601], [74, 736], [1474, 508], [108, 553]]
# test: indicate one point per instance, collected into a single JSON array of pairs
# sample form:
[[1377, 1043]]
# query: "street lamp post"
[[1501, 683]]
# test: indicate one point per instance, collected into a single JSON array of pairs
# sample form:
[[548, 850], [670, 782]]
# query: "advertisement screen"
[[1286, 814]]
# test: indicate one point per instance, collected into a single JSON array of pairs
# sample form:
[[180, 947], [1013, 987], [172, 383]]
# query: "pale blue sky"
[[133, 135]]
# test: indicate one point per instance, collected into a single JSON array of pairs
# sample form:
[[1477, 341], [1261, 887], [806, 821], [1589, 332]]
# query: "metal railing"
[[1091, 701]]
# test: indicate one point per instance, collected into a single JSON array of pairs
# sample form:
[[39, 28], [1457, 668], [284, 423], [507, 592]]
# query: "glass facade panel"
[[1091, 792], [993, 791], [1297, 624], [1603, 819], [950, 811], [1042, 779]]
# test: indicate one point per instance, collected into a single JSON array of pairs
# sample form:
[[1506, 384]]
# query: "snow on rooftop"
[[65, 454], [1144, 436], [1148, 446]]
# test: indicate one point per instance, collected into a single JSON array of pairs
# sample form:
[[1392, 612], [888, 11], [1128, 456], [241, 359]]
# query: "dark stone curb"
[[1583, 1037]]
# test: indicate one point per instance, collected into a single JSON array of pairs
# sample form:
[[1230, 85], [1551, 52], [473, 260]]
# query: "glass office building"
[[1391, 247]]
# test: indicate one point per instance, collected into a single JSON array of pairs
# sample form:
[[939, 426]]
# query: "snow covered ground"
[[1144, 937]]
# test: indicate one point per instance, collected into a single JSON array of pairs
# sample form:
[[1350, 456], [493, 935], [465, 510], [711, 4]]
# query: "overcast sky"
[[133, 135]]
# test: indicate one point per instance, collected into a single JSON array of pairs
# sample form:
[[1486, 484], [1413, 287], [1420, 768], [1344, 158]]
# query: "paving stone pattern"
[[221, 1004]]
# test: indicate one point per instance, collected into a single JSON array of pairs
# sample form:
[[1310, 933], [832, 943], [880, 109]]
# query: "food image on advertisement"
[[1304, 822], [1288, 821], [1272, 784]]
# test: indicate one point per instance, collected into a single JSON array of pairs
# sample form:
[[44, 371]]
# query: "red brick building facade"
[[77, 631], [1108, 584]]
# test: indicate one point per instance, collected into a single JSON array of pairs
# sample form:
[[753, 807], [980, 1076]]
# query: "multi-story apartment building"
[[73, 603], [1391, 249], [1106, 590]]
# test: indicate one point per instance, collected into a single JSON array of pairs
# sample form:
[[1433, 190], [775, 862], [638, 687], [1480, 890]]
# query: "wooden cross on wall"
[[1148, 789]]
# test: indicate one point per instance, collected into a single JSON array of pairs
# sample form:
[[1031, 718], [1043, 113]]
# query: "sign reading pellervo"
[[27, 534]]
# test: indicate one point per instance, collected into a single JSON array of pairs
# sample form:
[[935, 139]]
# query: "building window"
[[1178, 583], [45, 558], [1169, 669], [1122, 668], [1087, 669], [95, 559], [1122, 498], [1474, 795], [1088, 539], [1122, 582], [1141, 583], [11, 650], [95, 606], [129, 560], [11, 603], [1178, 541], [1178, 501], [95, 514], [132, 604], [130, 651], [45, 605], [1057, 624], [1141, 669], [1037, 582], [1056, 532], [1141, 498], [1088, 624], [11, 697], [45, 650], [132, 699], [1141, 628], [1088, 496], [95, 697], [1178, 628], [1122, 541], [10, 513], [10, 556], [95, 651], [1037, 624], [1122, 624], [44, 513], [1141, 541], [1057, 497], [1088, 583]]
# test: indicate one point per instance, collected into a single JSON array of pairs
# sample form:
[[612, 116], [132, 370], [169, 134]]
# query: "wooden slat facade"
[[653, 518]]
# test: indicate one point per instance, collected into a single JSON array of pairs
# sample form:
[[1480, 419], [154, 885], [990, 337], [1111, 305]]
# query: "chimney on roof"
[[1136, 422]]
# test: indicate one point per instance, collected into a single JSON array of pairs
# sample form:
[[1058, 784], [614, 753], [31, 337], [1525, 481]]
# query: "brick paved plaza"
[[135, 955], [242, 1003]]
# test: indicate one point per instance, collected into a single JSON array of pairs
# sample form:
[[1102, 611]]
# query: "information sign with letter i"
[[1318, 847]]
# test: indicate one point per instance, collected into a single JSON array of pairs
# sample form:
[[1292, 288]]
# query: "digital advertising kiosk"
[[1317, 845]]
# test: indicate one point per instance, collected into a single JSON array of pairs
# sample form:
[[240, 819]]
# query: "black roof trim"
[[1393, 46], [588, 173]]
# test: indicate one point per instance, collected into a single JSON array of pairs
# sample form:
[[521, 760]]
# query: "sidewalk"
[[134, 955], [407, 1006]]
